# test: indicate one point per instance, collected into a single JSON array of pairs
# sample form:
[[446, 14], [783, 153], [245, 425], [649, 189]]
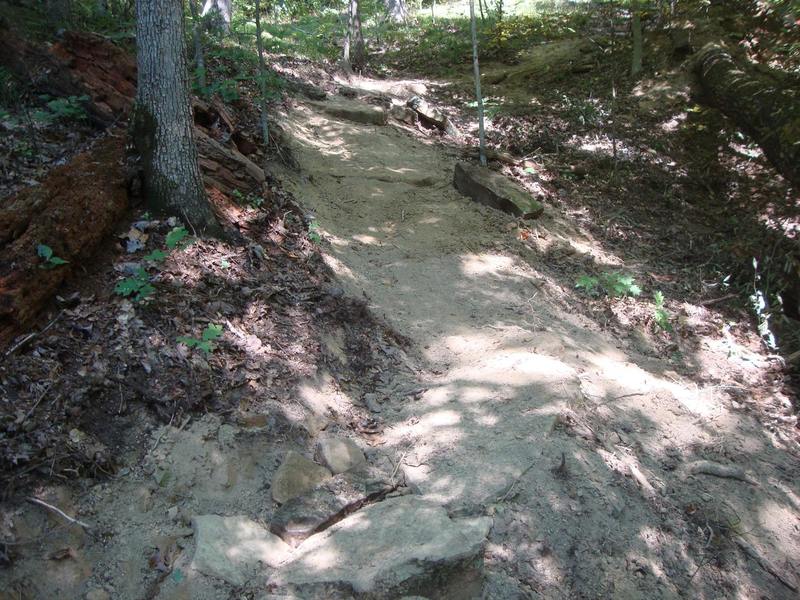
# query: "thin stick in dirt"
[[60, 513]]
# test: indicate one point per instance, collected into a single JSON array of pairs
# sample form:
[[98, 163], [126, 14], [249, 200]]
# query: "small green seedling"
[[177, 238], [137, 286], [156, 256], [616, 285], [206, 343], [50, 261], [313, 233], [660, 314], [589, 284]]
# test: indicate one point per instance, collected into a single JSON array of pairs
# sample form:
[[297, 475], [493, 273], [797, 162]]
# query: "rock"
[[495, 190], [396, 547], [98, 594], [358, 112], [431, 116], [296, 475], [371, 402], [315, 423], [327, 503], [339, 454], [403, 114], [233, 548]]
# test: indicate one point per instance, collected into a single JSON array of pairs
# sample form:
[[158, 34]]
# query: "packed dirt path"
[[607, 473]]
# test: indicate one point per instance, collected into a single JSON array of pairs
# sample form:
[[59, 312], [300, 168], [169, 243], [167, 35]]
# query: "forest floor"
[[614, 457]]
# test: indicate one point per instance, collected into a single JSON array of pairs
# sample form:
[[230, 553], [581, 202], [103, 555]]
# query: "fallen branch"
[[60, 512], [525, 472], [32, 335]]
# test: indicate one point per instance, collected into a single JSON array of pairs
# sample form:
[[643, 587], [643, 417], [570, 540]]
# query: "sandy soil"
[[583, 446]]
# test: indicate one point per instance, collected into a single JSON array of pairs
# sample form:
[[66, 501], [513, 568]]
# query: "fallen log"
[[761, 101], [72, 211], [80, 64]]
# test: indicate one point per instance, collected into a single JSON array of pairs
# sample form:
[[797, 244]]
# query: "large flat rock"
[[401, 546], [495, 190], [234, 548], [327, 503], [351, 110]]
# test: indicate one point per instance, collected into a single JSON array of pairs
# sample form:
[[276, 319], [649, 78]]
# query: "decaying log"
[[225, 168], [72, 211], [764, 103], [79, 64]]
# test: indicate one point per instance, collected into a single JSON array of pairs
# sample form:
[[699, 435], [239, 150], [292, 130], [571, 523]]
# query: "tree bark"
[[199, 56], [396, 10], [354, 55], [477, 72], [764, 103], [262, 74], [162, 123], [222, 9], [636, 30]]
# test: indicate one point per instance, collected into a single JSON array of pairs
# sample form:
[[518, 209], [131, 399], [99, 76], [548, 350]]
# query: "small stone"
[[296, 475], [98, 594], [371, 402], [315, 423], [232, 548], [172, 513], [339, 454]]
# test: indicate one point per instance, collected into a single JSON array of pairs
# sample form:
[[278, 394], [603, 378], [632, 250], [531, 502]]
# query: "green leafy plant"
[[177, 238], [70, 108], [313, 233], [137, 286], [206, 341], [589, 284], [50, 261], [616, 285], [620, 284], [252, 200], [660, 314]]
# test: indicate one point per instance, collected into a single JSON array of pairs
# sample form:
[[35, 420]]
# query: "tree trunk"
[[221, 10], [396, 10], [199, 57], [477, 71], [354, 55], [764, 103], [262, 74], [636, 29], [162, 123]]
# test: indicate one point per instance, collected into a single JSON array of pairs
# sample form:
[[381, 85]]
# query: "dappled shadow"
[[513, 384]]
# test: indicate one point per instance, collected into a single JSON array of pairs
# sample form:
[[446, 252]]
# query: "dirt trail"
[[579, 447]]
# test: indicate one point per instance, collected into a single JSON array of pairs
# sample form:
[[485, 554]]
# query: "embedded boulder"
[[495, 190], [234, 548], [358, 112]]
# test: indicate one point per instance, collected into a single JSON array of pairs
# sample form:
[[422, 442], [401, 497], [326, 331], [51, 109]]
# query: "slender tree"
[[199, 56], [354, 53], [262, 76], [636, 29], [162, 123], [477, 71]]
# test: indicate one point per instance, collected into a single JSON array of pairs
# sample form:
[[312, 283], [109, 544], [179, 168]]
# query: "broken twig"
[[59, 512]]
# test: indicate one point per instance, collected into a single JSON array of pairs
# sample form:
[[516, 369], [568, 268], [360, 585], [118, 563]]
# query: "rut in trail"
[[514, 385]]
